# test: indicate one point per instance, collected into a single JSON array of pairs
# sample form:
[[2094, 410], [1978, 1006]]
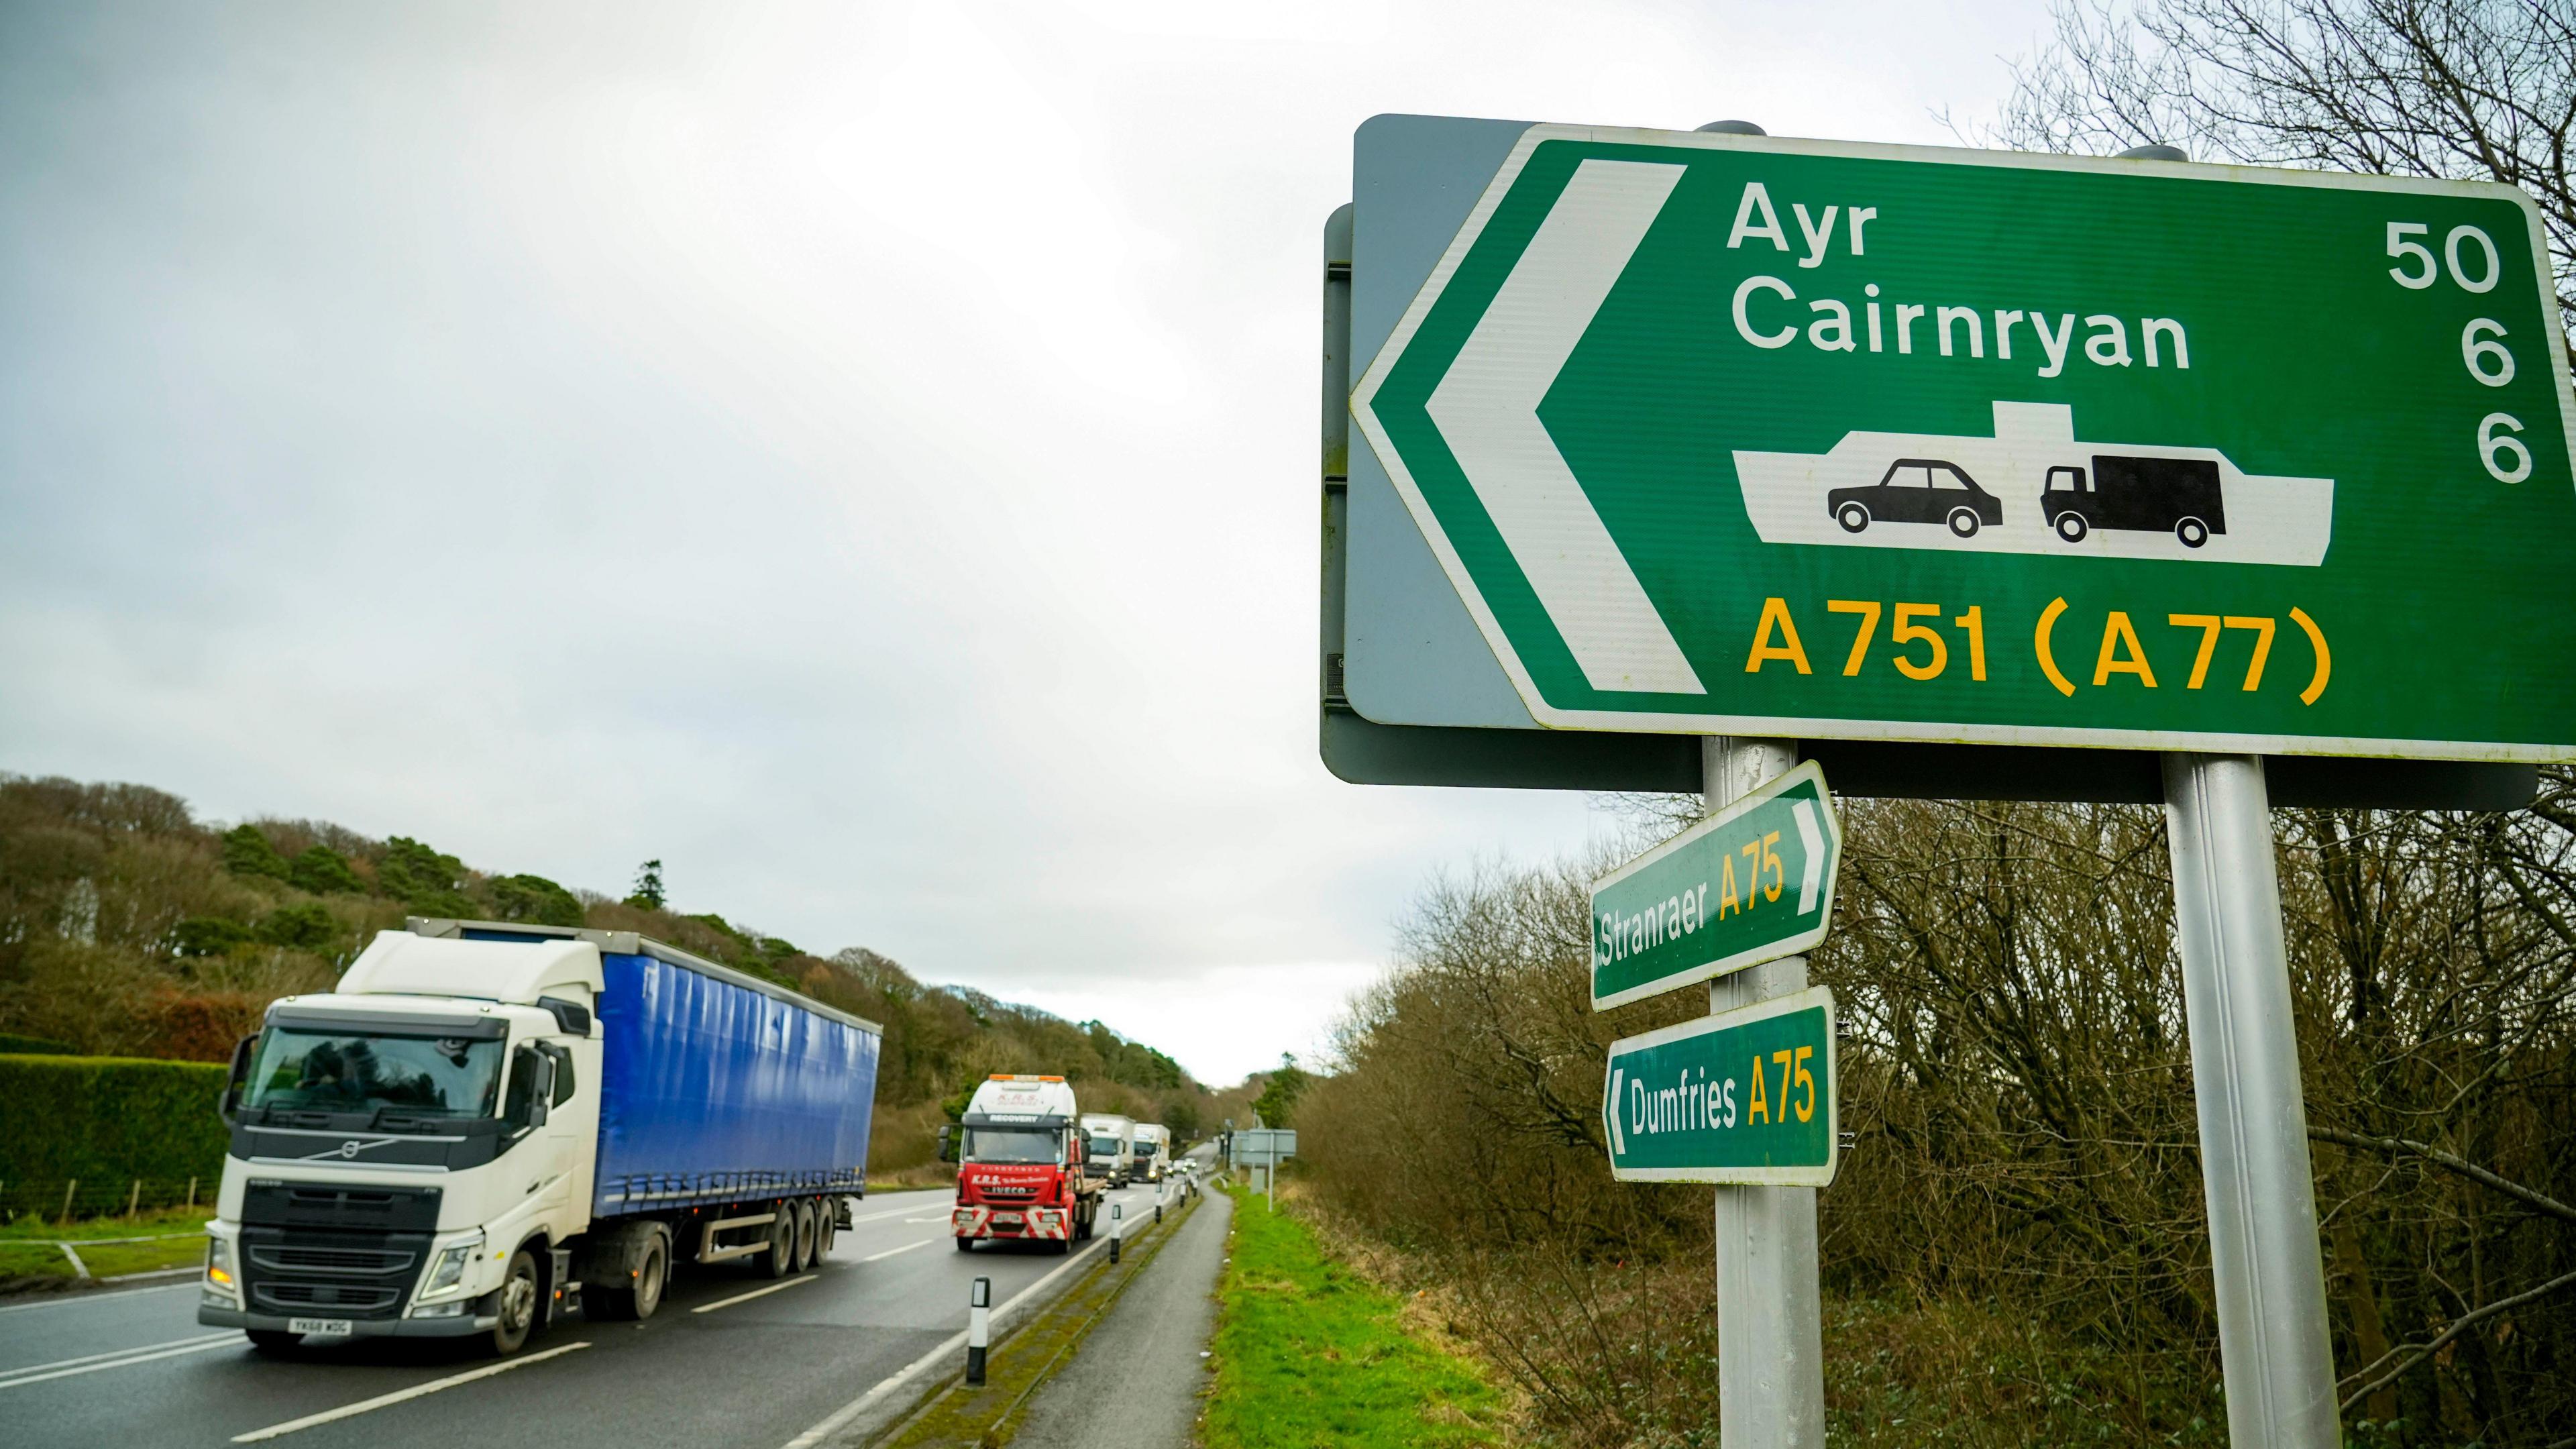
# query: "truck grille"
[[344, 1274], [371, 1262]]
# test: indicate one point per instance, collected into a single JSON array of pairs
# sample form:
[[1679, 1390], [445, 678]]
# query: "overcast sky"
[[863, 455]]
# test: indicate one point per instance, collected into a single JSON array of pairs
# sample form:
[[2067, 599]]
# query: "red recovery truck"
[[1021, 1171]]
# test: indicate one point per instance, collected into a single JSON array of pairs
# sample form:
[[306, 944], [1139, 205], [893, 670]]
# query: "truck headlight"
[[447, 1270], [219, 1265]]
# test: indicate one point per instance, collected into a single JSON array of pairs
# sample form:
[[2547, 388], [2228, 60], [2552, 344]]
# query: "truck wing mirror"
[[948, 1144], [230, 1107]]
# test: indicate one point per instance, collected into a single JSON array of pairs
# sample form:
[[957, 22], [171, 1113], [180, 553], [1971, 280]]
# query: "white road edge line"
[[754, 1293], [946, 1349], [906, 1248], [400, 1395], [126, 1360], [6, 1374], [77, 1300]]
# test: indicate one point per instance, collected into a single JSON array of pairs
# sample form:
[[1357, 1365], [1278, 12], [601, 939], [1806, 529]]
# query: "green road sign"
[[1743, 1097], [1736, 434], [1751, 883]]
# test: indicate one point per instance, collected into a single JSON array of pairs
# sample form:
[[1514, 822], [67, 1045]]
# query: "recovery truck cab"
[[1021, 1172]]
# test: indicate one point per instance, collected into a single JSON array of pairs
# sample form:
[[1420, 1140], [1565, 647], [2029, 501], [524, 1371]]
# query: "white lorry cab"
[[1153, 1150], [485, 1119], [1021, 1173], [1111, 1145]]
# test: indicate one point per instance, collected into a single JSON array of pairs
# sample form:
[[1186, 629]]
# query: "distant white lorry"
[[1112, 1145], [1153, 1153]]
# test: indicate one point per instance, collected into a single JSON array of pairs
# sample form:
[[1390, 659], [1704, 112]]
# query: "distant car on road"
[[2152, 495], [1918, 490]]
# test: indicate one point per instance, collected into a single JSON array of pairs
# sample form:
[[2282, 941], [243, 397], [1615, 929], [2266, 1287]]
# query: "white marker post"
[[1117, 1228], [979, 1327]]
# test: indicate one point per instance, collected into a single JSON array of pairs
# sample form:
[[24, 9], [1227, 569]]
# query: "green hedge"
[[110, 1119]]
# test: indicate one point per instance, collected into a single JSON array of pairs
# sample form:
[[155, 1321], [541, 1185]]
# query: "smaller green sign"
[[1743, 1097], [1752, 883]]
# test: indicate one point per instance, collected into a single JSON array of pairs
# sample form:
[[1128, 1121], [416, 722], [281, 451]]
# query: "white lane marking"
[[946, 1350], [926, 1220], [906, 1248], [888, 1213], [754, 1293], [83, 1300], [381, 1401], [113, 1353], [24, 1377]]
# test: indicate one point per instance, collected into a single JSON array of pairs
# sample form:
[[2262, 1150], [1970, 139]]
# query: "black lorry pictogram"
[[1918, 490], [2152, 495]]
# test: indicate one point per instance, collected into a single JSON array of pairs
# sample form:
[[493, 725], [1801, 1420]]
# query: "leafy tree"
[[247, 852], [1279, 1096], [321, 870], [648, 887], [208, 936], [534, 898], [306, 927], [429, 882]]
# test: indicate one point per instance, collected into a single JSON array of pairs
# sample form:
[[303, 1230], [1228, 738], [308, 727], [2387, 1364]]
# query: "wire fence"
[[91, 1199]]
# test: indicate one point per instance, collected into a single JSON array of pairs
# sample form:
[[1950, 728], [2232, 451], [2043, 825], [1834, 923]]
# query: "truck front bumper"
[[979, 1221], [457, 1326]]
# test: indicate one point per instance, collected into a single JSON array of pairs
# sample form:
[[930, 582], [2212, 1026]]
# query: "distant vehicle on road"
[[1153, 1143], [1024, 1170], [486, 1124], [2153, 495], [1917, 490], [1113, 1143]]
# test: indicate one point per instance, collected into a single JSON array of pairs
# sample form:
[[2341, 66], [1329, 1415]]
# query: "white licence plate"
[[322, 1327]]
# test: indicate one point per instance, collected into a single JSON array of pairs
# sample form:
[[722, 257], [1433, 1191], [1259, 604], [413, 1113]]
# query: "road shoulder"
[[1140, 1376]]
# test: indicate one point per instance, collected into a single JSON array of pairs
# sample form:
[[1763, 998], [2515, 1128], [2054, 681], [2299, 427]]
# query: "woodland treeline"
[[130, 928], [2015, 1249]]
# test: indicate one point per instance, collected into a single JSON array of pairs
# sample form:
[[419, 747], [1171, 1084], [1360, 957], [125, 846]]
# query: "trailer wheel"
[[635, 1302], [2192, 532], [2071, 526], [779, 1259], [804, 1235], [826, 1228]]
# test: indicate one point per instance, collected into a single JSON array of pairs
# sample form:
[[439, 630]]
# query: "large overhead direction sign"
[[1720, 434], [1752, 883]]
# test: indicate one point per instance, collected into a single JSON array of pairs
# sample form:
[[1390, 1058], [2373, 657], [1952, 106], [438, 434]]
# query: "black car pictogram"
[[1918, 490], [2152, 495]]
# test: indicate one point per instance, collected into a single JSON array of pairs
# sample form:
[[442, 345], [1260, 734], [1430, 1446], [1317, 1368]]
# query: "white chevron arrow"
[[1618, 1138], [1486, 408], [1811, 874]]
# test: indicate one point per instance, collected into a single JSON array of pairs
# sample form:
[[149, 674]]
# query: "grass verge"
[[29, 1259], [1310, 1355]]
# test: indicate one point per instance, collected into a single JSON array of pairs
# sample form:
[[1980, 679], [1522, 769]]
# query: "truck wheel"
[[517, 1305], [2071, 527], [779, 1258], [272, 1340], [1852, 517], [1963, 523], [804, 1235], [643, 1294], [965, 1245], [826, 1216], [2192, 532]]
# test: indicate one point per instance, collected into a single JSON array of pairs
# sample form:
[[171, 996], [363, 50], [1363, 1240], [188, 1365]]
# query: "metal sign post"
[[1770, 1308], [2263, 1256]]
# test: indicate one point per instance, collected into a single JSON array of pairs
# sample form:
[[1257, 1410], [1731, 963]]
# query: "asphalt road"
[[1138, 1378], [730, 1359]]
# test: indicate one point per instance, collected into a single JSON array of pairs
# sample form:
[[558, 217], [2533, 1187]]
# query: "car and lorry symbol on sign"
[[2122, 500]]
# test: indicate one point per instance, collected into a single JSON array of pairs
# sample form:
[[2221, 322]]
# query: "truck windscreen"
[[1104, 1147], [1144, 1149], [324, 1071], [1010, 1144]]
